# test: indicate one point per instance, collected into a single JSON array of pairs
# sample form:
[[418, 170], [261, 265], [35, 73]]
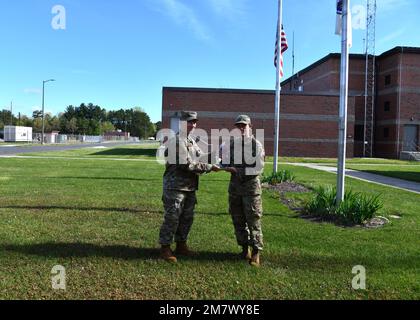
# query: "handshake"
[[222, 167], [217, 168]]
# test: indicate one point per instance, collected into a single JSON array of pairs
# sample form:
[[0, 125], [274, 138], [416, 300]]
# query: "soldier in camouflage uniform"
[[180, 182], [245, 205]]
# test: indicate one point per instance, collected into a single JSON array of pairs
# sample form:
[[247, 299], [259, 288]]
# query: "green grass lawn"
[[17, 144], [101, 219], [333, 161], [134, 151], [405, 172]]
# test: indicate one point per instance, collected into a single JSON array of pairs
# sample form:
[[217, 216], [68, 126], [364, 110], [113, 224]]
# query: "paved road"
[[6, 150], [369, 177]]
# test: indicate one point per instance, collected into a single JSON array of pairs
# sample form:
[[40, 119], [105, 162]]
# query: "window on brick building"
[[386, 132], [387, 106], [387, 79], [358, 132]]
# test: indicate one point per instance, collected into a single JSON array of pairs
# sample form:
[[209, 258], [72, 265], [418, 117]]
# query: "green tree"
[[94, 128], [82, 126], [37, 114], [69, 113], [158, 126], [54, 123], [25, 121], [71, 125], [119, 119], [140, 125], [6, 117], [47, 122], [37, 125], [107, 126]]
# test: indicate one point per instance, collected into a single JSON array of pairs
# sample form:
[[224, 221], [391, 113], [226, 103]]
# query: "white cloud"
[[184, 15], [391, 36], [231, 9], [32, 91], [391, 5]]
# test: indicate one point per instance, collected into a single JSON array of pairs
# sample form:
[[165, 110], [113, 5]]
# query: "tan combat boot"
[[255, 258], [245, 254], [166, 254], [183, 250]]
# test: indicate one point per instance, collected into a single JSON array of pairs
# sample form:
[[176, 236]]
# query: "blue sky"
[[119, 54]]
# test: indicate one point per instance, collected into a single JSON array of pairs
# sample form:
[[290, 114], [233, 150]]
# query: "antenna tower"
[[369, 78]]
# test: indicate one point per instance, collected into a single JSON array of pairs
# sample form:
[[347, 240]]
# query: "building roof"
[[222, 90], [246, 91], [321, 61], [353, 56], [312, 66], [400, 50]]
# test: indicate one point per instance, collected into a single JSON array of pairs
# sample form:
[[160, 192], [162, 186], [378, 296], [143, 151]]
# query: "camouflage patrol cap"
[[243, 118], [188, 115]]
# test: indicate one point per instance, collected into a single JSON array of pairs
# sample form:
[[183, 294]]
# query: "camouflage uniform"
[[245, 204], [180, 181]]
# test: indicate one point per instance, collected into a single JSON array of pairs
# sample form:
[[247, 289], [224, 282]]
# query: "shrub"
[[323, 203], [355, 208], [278, 177], [358, 207]]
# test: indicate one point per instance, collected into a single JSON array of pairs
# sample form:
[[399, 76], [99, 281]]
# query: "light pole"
[[43, 117]]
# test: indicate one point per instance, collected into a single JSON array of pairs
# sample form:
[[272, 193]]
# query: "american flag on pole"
[[283, 48]]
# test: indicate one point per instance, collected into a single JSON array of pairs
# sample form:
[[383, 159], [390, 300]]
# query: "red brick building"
[[309, 107], [397, 96]]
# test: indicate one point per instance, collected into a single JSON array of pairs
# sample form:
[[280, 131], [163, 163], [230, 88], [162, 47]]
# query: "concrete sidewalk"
[[369, 177]]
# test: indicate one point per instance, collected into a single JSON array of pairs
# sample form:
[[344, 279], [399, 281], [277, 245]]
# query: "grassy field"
[[333, 161], [135, 151], [17, 144], [101, 219], [406, 170]]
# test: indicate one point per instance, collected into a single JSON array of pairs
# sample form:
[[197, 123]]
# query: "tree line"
[[86, 119]]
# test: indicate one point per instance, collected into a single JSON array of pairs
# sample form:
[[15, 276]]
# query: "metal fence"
[[78, 138]]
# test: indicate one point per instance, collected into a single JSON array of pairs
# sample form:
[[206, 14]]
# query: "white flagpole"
[[278, 89], [344, 75]]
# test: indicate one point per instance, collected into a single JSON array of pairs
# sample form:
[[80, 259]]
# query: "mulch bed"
[[285, 187]]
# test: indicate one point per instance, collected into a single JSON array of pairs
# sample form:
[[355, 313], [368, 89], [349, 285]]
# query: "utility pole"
[[11, 113], [43, 116]]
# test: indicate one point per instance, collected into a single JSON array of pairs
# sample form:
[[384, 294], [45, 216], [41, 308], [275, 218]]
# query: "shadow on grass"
[[84, 250], [110, 209], [265, 214], [291, 261], [107, 209], [147, 152], [105, 178]]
